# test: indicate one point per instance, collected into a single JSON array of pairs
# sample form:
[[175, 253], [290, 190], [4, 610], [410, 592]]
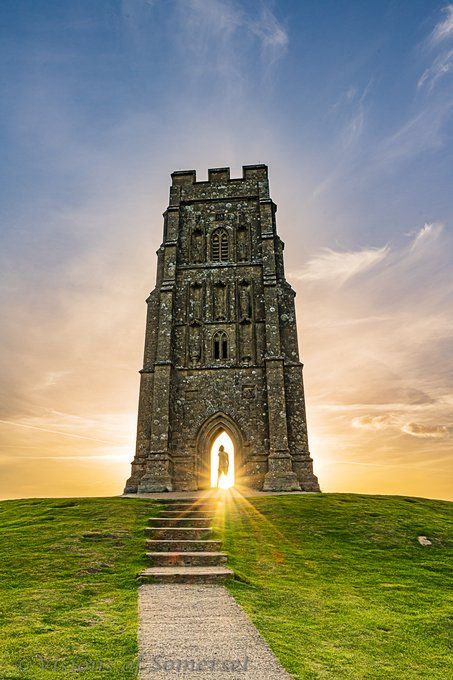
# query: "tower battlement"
[[185, 188], [249, 172]]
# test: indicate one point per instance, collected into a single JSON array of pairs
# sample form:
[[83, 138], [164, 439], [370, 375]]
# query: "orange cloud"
[[426, 431]]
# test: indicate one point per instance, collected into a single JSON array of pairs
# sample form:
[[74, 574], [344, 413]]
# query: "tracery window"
[[219, 246]]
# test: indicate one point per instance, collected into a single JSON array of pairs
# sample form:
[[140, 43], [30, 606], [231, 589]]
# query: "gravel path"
[[200, 632]]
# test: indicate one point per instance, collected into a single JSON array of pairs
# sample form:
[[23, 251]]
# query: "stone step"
[[187, 499], [192, 507], [179, 533], [208, 514], [195, 522], [187, 503], [187, 559], [216, 575], [168, 545]]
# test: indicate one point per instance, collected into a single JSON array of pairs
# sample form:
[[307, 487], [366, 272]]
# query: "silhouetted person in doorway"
[[224, 463]]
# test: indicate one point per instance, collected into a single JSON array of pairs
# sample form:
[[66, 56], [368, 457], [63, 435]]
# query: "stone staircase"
[[180, 547]]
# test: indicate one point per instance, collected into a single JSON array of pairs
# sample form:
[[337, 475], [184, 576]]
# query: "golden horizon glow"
[[379, 400]]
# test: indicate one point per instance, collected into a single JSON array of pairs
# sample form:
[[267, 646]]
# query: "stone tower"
[[221, 350]]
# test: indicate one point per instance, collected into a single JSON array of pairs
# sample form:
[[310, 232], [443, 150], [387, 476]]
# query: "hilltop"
[[338, 584]]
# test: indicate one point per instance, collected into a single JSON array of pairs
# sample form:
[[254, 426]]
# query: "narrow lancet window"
[[220, 345]]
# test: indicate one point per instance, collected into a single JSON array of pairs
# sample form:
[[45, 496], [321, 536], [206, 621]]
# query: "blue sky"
[[349, 103]]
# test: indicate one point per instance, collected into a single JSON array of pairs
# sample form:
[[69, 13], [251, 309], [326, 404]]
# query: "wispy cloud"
[[441, 66], [354, 125], [426, 431], [440, 40], [421, 133], [111, 457], [444, 29], [272, 34], [225, 28], [339, 266], [57, 432], [428, 233], [391, 421], [425, 128], [368, 422], [348, 116]]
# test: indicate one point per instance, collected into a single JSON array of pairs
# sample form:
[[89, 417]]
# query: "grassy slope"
[[339, 585], [67, 587]]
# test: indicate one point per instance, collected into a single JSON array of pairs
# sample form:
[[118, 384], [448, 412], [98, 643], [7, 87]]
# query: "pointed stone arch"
[[207, 433]]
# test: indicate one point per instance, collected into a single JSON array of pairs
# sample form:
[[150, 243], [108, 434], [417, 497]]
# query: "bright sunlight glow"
[[225, 481]]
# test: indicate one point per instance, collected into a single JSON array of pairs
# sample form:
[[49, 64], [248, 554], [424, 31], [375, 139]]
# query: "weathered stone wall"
[[221, 341], [198, 395]]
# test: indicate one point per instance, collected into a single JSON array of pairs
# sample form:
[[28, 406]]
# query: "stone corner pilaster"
[[158, 474], [303, 467], [280, 475]]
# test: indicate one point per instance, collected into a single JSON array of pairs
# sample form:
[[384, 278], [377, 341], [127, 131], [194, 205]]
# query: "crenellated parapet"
[[219, 185]]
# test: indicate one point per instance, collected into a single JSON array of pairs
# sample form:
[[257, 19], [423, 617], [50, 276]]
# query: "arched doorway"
[[218, 430]]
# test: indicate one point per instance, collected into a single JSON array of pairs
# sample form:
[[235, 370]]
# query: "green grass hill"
[[338, 584]]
